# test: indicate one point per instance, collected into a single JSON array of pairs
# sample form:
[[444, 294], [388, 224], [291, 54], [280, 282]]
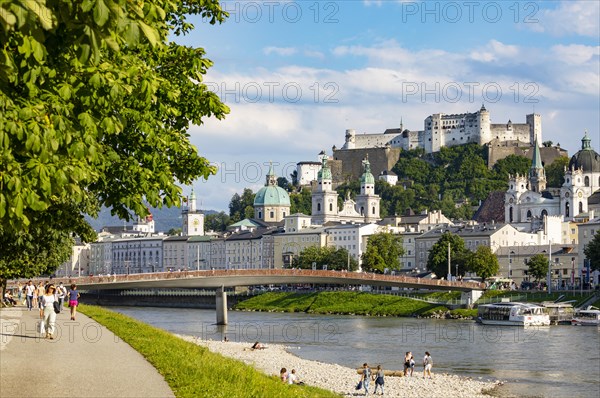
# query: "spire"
[[536, 162], [586, 142], [271, 177], [192, 204], [537, 174], [367, 177]]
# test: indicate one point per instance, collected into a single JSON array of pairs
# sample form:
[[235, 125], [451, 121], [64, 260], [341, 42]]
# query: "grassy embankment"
[[194, 371], [353, 303], [361, 303], [536, 297]]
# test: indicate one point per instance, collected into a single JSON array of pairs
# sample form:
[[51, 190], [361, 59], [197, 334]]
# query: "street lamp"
[[510, 264]]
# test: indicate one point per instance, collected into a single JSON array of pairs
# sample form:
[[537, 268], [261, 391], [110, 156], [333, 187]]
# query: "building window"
[[272, 214], [318, 207], [587, 181], [331, 207]]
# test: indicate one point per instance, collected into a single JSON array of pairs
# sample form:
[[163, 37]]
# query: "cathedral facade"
[[528, 197]]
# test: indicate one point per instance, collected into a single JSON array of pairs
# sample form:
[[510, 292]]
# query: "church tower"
[[537, 175], [367, 202], [324, 198], [193, 219]]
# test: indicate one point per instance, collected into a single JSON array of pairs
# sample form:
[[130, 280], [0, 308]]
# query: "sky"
[[297, 74]]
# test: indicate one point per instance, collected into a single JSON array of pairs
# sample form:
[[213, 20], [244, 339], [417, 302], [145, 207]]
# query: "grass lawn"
[[193, 371], [357, 303], [536, 297]]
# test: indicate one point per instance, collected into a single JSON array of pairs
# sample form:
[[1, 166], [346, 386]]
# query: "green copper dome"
[[325, 172], [367, 177], [272, 196]]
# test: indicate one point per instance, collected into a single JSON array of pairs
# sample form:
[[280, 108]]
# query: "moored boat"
[[559, 313], [587, 317], [512, 314]]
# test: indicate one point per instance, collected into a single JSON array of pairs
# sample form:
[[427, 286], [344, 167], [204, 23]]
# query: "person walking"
[[41, 290], [29, 292], [61, 292], [427, 365], [366, 377], [73, 300], [49, 318], [379, 381], [407, 362]]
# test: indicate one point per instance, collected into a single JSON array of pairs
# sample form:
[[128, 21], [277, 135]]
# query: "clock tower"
[[193, 219]]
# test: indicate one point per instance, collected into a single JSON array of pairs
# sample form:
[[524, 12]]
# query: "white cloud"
[[576, 54], [282, 51], [569, 18], [370, 99]]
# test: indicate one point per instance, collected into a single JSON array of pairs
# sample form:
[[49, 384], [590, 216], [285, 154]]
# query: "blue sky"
[[296, 75]]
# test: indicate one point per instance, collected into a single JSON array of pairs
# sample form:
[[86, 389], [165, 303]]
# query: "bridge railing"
[[356, 277]]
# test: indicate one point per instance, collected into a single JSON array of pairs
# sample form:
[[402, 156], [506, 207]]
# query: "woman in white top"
[[49, 314]]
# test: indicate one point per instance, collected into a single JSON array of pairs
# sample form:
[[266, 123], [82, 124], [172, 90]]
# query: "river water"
[[557, 361]]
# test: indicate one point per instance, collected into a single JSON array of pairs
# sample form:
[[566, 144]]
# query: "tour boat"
[[587, 317], [559, 313], [513, 314]]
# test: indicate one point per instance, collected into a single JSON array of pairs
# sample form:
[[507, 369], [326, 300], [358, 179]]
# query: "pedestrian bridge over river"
[[232, 278], [221, 279]]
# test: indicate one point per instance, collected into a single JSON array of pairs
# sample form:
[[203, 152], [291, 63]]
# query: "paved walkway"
[[84, 360]]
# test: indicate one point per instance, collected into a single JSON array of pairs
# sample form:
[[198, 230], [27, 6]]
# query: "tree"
[[335, 259], [95, 103], [538, 266], [294, 178], [301, 202], [555, 172], [437, 261], [547, 144], [174, 232], [283, 182], [241, 207], [216, 222], [383, 251], [483, 262], [592, 252], [512, 164]]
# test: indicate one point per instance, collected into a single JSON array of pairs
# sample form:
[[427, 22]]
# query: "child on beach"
[[427, 364]]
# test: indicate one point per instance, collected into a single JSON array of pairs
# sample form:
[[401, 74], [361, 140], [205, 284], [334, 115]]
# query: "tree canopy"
[[592, 252], [241, 207], [383, 251], [483, 262], [537, 266], [334, 259], [438, 255], [95, 103]]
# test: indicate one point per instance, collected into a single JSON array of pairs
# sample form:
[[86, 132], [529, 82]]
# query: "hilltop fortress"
[[442, 130]]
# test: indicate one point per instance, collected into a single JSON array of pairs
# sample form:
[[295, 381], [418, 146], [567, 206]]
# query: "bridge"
[[220, 279]]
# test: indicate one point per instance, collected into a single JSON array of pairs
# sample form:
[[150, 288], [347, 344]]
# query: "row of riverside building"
[[535, 217]]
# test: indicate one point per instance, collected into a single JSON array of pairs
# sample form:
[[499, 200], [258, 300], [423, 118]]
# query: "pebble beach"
[[343, 380]]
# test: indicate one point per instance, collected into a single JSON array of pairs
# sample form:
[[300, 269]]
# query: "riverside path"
[[84, 360]]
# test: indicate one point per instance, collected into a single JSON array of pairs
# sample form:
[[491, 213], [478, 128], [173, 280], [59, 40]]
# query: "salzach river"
[[557, 361]]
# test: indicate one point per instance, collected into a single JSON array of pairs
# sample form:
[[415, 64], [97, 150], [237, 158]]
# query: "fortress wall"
[[497, 152], [351, 161]]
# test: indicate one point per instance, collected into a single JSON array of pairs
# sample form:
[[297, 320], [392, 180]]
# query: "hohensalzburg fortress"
[[442, 130]]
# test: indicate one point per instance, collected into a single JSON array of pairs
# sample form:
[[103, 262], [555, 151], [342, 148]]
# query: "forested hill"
[[453, 180]]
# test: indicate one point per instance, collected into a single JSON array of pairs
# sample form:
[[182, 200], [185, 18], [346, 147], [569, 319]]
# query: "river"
[[557, 361]]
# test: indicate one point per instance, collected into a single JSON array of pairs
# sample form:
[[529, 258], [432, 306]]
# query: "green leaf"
[[101, 13], [150, 33]]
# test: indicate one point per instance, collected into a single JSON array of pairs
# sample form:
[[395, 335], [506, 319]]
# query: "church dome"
[[586, 159], [272, 196]]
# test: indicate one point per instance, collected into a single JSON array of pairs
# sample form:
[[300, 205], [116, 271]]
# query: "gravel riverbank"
[[341, 379]]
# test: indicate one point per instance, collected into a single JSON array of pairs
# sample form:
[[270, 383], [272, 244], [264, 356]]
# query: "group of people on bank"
[[49, 300], [378, 376], [289, 377]]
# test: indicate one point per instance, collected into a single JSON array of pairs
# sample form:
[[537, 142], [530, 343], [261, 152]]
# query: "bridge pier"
[[471, 297], [221, 300]]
